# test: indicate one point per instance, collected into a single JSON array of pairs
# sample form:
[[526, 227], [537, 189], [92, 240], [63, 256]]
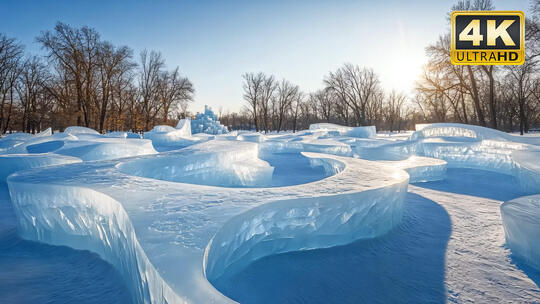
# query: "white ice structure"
[[168, 138], [80, 142], [363, 132], [208, 123], [11, 163], [198, 164], [173, 222], [120, 134], [420, 169], [521, 218], [166, 246]]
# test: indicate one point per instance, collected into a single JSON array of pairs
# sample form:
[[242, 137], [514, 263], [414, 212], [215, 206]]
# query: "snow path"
[[478, 266]]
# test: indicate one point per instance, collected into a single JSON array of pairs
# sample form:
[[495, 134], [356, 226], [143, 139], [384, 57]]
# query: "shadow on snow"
[[405, 265]]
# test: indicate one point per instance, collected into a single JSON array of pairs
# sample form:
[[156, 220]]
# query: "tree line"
[[500, 97], [86, 81], [352, 96]]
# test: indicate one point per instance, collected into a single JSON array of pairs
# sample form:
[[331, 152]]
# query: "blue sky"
[[215, 42]]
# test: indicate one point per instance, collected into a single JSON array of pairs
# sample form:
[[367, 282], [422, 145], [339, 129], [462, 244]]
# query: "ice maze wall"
[[85, 219], [303, 224]]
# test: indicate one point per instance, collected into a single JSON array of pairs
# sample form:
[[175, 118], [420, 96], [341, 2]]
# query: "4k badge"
[[487, 37]]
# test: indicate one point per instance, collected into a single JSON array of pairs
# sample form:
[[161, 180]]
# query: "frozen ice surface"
[[174, 222], [521, 219], [160, 243]]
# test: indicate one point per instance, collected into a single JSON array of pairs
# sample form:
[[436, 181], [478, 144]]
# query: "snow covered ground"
[[177, 215]]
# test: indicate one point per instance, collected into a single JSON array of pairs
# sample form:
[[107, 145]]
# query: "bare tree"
[[253, 87], [268, 88], [523, 87], [394, 110], [33, 97], [287, 93], [10, 60], [113, 63], [152, 65], [74, 52], [324, 100], [174, 92], [296, 107], [356, 87]]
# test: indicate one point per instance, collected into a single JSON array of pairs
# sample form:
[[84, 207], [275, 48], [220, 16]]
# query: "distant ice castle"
[[208, 123]]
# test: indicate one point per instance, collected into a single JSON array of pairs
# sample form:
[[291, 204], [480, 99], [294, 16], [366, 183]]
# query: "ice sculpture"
[[175, 221], [207, 122], [165, 245]]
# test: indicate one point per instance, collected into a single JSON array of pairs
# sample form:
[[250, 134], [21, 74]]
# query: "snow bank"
[[327, 146], [521, 220], [306, 143], [487, 149], [387, 150], [169, 226]]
